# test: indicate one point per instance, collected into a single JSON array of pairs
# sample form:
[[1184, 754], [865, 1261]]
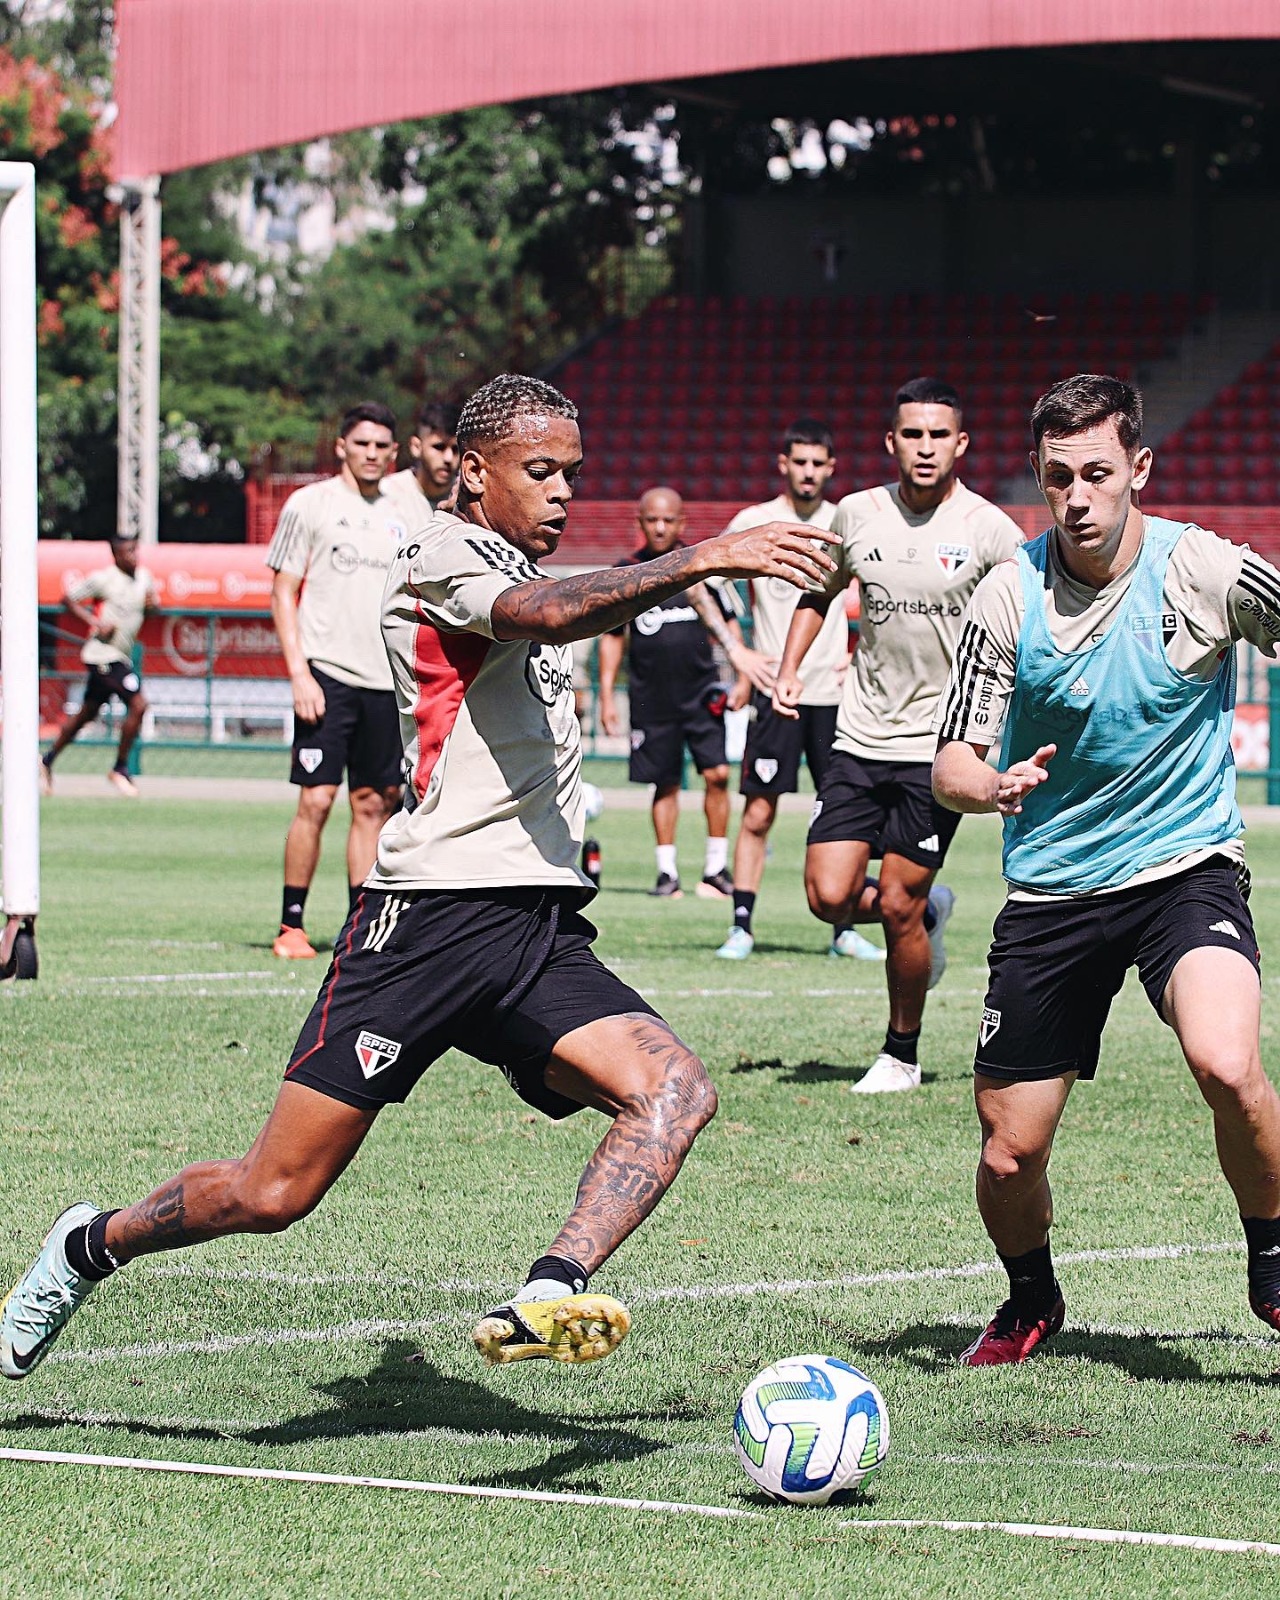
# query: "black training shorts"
[[502, 974], [359, 734], [771, 760], [1056, 965], [886, 804], [657, 748], [111, 678]]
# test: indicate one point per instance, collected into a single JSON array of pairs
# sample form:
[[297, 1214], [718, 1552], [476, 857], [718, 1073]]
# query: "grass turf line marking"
[[179, 977], [342, 1480], [1037, 1530], [263, 1338], [711, 1291]]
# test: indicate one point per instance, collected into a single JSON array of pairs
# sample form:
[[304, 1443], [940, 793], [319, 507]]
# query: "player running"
[[917, 549], [1104, 661], [470, 929]]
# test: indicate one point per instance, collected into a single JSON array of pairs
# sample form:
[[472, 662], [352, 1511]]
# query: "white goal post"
[[19, 604]]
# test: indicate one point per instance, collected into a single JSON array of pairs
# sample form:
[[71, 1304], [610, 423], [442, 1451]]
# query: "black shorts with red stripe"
[[501, 974]]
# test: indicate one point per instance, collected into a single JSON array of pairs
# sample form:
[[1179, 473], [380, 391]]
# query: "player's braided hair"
[[494, 409]]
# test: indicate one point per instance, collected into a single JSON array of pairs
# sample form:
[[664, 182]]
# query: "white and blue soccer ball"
[[595, 800], [809, 1427]]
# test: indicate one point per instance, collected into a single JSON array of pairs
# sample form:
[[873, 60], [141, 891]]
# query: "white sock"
[[666, 854], [717, 857], [545, 1289]]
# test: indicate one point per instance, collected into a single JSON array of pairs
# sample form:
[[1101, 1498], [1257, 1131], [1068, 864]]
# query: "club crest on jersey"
[[375, 1054], [1146, 628], [309, 760], [989, 1026], [952, 556]]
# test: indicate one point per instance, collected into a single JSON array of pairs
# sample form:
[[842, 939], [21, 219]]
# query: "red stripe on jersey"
[[445, 666]]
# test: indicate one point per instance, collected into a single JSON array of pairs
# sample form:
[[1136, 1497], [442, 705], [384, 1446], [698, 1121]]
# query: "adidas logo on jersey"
[[1079, 687], [873, 555], [931, 843], [1225, 927]]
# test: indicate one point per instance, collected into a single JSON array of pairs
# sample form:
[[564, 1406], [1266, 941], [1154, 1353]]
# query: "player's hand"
[[786, 550], [786, 695], [759, 670], [308, 699], [740, 694], [1021, 778], [610, 721]]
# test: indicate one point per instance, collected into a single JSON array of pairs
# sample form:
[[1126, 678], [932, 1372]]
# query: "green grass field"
[[805, 1220]]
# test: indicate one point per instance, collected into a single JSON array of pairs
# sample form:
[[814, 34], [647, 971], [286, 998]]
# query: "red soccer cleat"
[[1270, 1314], [1009, 1337]]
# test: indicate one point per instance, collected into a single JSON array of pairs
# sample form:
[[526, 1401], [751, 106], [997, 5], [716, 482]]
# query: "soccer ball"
[[809, 1427], [595, 800]]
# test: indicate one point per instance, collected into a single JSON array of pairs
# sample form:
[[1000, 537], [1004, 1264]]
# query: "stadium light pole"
[[19, 600], [138, 495]]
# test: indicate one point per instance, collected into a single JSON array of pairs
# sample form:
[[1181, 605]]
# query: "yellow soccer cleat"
[[574, 1327]]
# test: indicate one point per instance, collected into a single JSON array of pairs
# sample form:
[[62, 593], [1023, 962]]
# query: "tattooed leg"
[[302, 1149], [658, 1093]]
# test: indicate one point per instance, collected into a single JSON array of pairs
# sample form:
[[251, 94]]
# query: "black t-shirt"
[[670, 665]]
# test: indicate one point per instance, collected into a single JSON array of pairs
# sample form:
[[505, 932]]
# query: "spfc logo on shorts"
[[952, 556], [375, 1054], [989, 1026], [309, 760], [637, 738], [766, 769]]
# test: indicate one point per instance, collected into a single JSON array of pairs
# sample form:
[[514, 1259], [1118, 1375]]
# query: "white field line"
[[258, 992], [710, 1291], [342, 1480], [176, 977], [1036, 1530], [844, 992], [598, 1443], [263, 1338]]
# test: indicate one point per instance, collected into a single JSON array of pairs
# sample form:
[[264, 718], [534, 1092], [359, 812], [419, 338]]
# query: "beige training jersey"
[[1215, 592], [340, 545], [413, 507], [123, 602], [773, 600], [916, 573], [491, 738]]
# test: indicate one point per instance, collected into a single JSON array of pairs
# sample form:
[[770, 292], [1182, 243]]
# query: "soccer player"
[[470, 930], [771, 760], [335, 540], [112, 603], [428, 481], [917, 549], [1103, 661], [677, 699]]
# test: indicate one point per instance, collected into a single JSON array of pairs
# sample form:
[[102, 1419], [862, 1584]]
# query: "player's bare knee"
[[1008, 1160], [899, 911], [314, 805], [1231, 1078]]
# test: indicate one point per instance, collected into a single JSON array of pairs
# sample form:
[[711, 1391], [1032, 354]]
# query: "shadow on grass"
[[1146, 1358], [814, 1071], [404, 1394]]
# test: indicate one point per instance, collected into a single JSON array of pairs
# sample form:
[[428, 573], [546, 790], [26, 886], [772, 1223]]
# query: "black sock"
[[47, 758], [930, 921], [294, 904], [744, 903], [1032, 1285], [1263, 1237], [562, 1269], [87, 1249], [840, 927], [903, 1046]]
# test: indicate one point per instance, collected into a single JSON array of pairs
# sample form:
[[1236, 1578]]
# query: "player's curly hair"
[[493, 410]]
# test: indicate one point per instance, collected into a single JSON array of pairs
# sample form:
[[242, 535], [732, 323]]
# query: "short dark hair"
[[1076, 404], [927, 392], [492, 411], [367, 411], [438, 416], [807, 430]]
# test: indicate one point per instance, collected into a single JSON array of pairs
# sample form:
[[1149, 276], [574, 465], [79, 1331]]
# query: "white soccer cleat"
[[43, 1300], [942, 902], [887, 1075], [851, 944]]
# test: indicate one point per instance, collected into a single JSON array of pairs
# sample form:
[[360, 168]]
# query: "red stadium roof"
[[198, 80]]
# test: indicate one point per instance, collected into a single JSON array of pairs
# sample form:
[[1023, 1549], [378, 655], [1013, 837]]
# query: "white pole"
[[138, 511], [19, 530]]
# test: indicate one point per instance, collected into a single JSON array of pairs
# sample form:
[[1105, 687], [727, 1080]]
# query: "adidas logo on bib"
[[1079, 687]]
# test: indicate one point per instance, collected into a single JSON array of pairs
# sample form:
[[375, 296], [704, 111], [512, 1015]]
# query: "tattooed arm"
[[558, 611], [753, 668]]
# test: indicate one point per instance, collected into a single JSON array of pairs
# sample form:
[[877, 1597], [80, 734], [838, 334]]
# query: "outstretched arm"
[[558, 611], [962, 780]]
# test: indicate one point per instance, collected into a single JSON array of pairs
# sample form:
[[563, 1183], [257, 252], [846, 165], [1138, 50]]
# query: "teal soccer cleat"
[[851, 944], [942, 903], [40, 1304], [737, 947]]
